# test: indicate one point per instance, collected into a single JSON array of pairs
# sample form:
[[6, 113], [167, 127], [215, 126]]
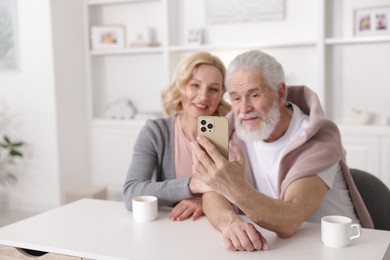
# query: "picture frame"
[[107, 37], [372, 21], [195, 36], [9, 42]]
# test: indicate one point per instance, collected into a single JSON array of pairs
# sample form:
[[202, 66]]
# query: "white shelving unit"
[[317, 49], [360, 40], [168, 19]]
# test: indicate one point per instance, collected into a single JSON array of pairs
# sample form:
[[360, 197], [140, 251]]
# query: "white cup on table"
[[145, 208], [338, 231]]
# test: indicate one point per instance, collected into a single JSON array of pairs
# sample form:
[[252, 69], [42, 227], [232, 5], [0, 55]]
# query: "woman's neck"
[[189, 126]]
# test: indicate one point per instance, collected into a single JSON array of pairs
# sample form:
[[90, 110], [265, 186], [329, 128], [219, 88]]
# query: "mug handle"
[[357, 227]]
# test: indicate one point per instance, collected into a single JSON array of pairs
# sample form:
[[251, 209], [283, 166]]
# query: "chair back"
[[376, 196]]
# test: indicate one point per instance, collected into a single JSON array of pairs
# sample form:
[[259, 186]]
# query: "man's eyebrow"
[[249, 91]]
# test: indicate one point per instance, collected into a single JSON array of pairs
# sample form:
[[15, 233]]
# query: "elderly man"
[[294, 157]]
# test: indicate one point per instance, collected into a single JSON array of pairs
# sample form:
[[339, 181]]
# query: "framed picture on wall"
[[372, 21], [195, 36], [107, 37], [9, 49]]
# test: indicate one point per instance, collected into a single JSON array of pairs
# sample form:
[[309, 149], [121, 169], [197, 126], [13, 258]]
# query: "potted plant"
[[9, 152]]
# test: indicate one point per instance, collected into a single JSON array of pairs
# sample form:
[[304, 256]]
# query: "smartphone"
[[216, 129]]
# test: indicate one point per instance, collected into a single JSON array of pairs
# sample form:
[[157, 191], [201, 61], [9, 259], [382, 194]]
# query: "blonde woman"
[[162, 162]]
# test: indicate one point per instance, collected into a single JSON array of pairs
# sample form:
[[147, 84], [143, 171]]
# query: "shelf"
[[365, 129], [127, 51], [117, 123], [357, 40], [109, 2], [188, 48], [259, 45]]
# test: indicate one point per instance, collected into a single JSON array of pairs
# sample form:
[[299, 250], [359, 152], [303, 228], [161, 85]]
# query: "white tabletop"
[[101, 229]]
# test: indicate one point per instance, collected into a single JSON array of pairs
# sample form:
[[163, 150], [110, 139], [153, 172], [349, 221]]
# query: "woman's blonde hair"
[[172, 94]]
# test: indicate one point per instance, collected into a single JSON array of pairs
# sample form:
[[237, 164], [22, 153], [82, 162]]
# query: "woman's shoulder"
[[159, 124], [162, 122]]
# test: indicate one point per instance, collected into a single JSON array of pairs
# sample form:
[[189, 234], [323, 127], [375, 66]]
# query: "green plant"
[[12, 147], [9, 151]]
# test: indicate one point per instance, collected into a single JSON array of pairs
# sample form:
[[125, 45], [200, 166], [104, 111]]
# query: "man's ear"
[[282, 94]]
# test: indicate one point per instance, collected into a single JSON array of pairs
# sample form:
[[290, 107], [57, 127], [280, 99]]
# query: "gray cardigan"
[[152, 168]]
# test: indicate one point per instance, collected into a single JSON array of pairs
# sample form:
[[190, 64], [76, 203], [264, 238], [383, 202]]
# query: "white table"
[[99, 229]]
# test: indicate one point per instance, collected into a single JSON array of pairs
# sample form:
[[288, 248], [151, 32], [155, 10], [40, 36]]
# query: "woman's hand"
[[197, 186], [190, 208]]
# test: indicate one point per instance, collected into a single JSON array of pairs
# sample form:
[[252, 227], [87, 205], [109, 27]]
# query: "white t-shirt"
[[265, 161]]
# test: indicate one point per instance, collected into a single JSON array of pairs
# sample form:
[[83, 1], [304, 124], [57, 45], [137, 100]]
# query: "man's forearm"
[[269, 213], [276, 215], [281, 216], [218, 210]]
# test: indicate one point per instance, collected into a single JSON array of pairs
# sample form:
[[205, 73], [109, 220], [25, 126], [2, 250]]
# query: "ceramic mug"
[[338, 231], [145, 208]]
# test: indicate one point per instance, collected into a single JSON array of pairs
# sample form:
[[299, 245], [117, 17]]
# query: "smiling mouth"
[[200, 106], [248, 122], [249, 118]]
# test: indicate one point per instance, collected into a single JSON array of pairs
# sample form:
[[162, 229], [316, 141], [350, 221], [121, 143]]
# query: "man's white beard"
[[268, 125]]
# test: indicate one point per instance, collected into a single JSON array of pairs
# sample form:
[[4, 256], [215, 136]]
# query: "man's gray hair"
[[256, 60]]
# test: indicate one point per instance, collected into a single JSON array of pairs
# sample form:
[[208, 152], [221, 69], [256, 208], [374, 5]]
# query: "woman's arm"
[[151, 171]]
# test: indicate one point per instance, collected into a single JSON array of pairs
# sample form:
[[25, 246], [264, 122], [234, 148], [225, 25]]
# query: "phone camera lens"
[[203, 122], [203, 129], [210, 126]]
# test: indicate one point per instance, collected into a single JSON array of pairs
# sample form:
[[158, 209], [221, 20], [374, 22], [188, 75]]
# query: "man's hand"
[[186, 209], [212, 168], [197, 186], [243, 236]]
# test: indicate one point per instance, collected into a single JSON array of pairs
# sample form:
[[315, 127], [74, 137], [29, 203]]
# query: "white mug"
[[338, 231], [145, 208]]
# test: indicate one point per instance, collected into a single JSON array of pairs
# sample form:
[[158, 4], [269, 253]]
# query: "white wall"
[[71, 92], [29, 92], [47, 93]]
